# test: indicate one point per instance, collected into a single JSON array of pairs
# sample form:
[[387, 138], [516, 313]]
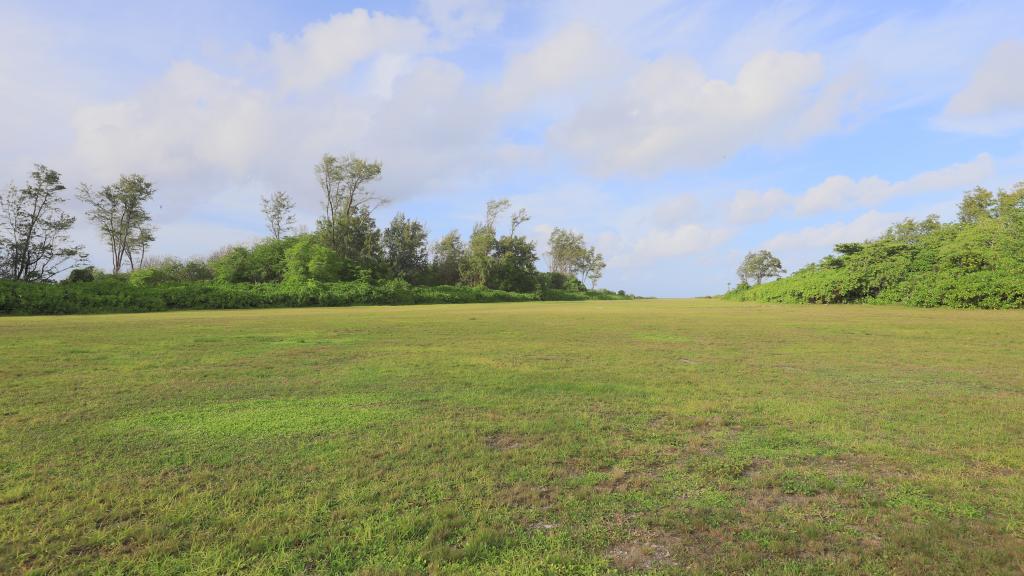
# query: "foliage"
[[347, 244], [404, 248], [154, 289], [87, 274], [512, 265], [120, 213], [976, 262], [309, 259], [568, 254], [34, 230], [758, 266], [476, 265], [346, 198], [279, 210], [171, 270], [263, 262], [448, 255]]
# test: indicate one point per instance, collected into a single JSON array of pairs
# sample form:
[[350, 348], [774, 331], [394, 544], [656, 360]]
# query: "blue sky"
[[675, 135]]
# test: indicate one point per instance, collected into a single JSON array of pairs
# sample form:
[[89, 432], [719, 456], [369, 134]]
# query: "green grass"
[[565, 438]]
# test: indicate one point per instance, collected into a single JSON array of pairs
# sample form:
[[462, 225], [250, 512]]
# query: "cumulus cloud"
[[843, 192], [865, 226], [191, 120], [326, 50], [751, 205], [462, 19], [677, 241], [571, 59], [669, 114], [993, 101]]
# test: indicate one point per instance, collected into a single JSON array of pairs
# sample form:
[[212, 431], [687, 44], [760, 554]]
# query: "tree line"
[[976, 261], [346, 245]]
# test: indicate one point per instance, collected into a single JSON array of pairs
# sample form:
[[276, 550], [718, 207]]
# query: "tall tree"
[[513, 265], [479, 260], [34, 240], [448, 253], [568, 254], [976, 205], [758, 266], [279, 211], [591, 267], [124, 222], [404, 244], [519, 218], [566, 251], [343, 183]]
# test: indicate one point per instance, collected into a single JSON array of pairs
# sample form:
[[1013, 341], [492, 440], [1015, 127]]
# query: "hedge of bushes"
[[118, 294], [977, 262]]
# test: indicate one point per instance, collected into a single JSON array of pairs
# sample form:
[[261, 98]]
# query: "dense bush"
[[264, 262], [121, 294], [977, 262]]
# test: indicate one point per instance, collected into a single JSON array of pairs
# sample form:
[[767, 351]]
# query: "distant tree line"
[[975, 262], [346, 245]]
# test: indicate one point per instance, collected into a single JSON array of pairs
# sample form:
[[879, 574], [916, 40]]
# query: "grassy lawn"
[[567, 438]]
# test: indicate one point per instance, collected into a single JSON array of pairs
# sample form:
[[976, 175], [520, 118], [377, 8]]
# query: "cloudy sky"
[[675, 135]]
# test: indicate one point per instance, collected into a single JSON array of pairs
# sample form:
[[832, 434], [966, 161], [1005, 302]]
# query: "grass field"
[[585, 437]]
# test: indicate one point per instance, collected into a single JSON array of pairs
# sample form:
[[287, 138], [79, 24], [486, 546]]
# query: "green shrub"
[[972, 264], [82, 275], [139, 293]]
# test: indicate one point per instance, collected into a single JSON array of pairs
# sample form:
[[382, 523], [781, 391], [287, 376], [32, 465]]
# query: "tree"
[[568, 254], [566, 250], [404, 243], [361, 246], [119, 211], [278, 209], [759, 265], [910, 231], [592, 267], [495, 208], [476, 264], [1011, 203], [518, 218], [343, 183], [448, 252], [34, 240], [977, 204], [309, 259], [478, 260], [513, 266]]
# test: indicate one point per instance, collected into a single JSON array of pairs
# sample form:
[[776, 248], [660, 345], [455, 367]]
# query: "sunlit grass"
[[583, 437]]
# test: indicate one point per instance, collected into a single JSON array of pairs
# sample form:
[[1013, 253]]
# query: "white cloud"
[[669, 114], [463, 19], [843, 192], [327, 50], [868, 225], [569, 60], [190, 121], [674, 210], [993, 101], [751, 205], [677, 241]]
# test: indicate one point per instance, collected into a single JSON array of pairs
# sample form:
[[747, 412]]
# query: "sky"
[[676, 136]]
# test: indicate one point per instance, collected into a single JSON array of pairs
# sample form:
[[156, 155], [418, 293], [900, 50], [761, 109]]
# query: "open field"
[[585, 437]]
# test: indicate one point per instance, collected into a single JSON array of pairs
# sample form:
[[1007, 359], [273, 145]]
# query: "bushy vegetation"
[[144, 292], [975, 262], [346, 261]]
